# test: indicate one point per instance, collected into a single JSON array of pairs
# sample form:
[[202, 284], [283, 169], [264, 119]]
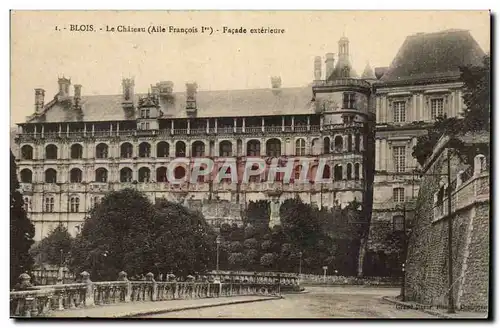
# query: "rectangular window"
[[349, 100], [437, 106], [49, 204], [147, 125], [399, 111], [399, 158], [398, 195]]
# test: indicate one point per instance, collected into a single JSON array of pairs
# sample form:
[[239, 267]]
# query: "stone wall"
[[427, 259], [311, 279], [217, 212]]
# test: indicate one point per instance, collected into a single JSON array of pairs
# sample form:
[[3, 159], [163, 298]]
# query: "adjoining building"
[[427, 276]]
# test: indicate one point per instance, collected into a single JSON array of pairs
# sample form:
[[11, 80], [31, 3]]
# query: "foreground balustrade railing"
[[40, 301]]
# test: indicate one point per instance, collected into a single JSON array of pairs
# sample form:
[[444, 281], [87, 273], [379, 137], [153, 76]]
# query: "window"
[[126, 150], [254, 178], [273, 148], [326, 145], [226, 148], [349, 100], [161, 174], [50, 176], [179, 172], [198, 149], [126, 175], [399, 111], [147, 125], [27, 152], [74, 204], [253, 148], [339, 143], [337, 174], [399, 158], [94, 201], [436, 108], [145, 113], [180, 149], [349, 171], [298, 170], [398, 195], [356, 171], [398, 223], [300, 147], [349, 143], [76, 151], [26, 176], [49, 204], [326, 172], [75, 175], [144, 150], [101, 151], [144, 174], [51, 152], [101, 175], [162, 149]]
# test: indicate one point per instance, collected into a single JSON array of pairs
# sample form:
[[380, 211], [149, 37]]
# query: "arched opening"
[[256, 177], [198, 149], [349, 143], [180, 149], [75, 175], [51, 152], [101, 175], [327, 172], [226, 149], [300, 147], [357, 139], [144, 174], [126, 175], [161, 174], [337, 172], [27, 152], [26, 176], [273, 147], [326, 145], [338, 144], [356, 171], [162, 149], [144, 149], [253, 148], [126, 150], [101, 151], [349, 171], [50, 176], [76, 151], [179, 172]]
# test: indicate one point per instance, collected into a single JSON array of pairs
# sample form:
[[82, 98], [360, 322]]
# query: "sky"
[[98, 60]]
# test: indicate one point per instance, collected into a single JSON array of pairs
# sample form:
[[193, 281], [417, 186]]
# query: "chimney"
[[276, 84], [78, 95], [191, 89], [329, 65], [39, 100], [317, 68], [128, 92], [64, 84]]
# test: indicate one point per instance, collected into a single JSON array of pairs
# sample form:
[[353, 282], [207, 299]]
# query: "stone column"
[[208, 125], [243, 125], [216, 125], [293, 123], [415, 116], [282, 123], [377, 109], [378, 155], [172, 127], [308, 123], [361, 171], [122, 276], [362, 142], [263, 124], [421, 107], [188, 126], [154, 289], [234, 127], [460, 101], [383, 157], [346, 142]]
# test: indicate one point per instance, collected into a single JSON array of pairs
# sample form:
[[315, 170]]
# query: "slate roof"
[[434, 55], [227, 103]]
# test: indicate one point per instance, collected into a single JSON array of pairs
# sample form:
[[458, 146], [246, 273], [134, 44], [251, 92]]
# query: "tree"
[[268, 260], [237, 261], [126, 232], [258, 215], [55, 248], [22, 230]]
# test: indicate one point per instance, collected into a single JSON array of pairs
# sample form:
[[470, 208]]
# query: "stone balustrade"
[[39, 301]]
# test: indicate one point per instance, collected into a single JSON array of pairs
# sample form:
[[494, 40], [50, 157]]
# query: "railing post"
[[89, 292], [28, 305], [122, 276], [154, 288]]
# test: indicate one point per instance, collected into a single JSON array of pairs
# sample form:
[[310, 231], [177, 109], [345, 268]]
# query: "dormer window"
[[145, 113]]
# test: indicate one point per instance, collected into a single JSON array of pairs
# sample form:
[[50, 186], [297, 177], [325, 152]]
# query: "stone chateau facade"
[[75, 148]]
